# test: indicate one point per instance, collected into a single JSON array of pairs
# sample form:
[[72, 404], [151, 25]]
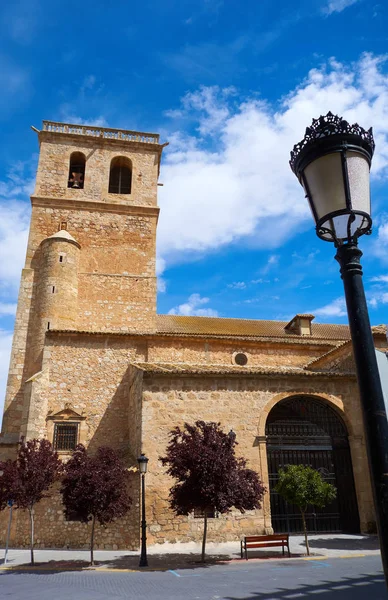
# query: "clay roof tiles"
[[209, 326]]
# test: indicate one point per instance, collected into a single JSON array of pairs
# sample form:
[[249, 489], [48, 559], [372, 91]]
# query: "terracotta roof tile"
[[190, 369], [244, 328]]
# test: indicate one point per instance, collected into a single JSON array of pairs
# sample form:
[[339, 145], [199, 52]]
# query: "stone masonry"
[[90, 349]]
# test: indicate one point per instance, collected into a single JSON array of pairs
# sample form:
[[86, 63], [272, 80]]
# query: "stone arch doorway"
[[304, 430]]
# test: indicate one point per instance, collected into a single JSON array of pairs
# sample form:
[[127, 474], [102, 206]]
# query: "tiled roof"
[[189, 369], [345, 347], [202, 326]]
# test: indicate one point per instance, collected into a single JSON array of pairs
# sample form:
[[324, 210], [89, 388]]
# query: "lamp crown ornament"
[[332, 163], [326, 126]]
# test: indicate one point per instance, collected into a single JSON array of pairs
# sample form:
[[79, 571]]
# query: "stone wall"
[[237, 403], [52, 530], [220, 352], [54, 161]]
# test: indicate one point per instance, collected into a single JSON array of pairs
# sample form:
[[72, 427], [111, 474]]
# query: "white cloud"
[[336, 308], [191, 308], [7, 308], [68, 115], [337, 6], [237, 285], [380, 279], [232, 181]]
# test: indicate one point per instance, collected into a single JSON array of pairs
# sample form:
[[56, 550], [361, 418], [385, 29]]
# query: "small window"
[[65, 436], [63, 226], [53, 289], [76, 170], [48, 325], [241, 359], [61, 258], [120, 176]]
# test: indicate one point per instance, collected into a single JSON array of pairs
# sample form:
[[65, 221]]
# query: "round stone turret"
[[58, 281]]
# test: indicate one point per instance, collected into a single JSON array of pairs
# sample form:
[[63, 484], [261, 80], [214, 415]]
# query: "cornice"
[[91, 205]]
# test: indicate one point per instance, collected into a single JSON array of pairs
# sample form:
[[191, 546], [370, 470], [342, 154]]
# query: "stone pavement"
[[358, 578], [184, 556]]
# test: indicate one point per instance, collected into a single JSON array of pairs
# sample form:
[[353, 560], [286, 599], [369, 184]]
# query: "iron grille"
[[65, 436], [305, 431]]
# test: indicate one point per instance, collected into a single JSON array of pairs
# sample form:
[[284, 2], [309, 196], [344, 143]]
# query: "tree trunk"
[[204, 538], [92, 542], [305, 534], [30, 510]]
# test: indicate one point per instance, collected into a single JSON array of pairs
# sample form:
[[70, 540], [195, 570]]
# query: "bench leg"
[[241, 548], [246, 553]]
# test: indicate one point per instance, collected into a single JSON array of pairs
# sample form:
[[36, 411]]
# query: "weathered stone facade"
[[90, 349]]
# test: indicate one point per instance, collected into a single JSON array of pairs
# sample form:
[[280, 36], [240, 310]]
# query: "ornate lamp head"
[[143, 463], [332, 163]]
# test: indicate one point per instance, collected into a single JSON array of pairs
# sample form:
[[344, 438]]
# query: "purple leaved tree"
[[95, 488], [28, 479], [201, 457]]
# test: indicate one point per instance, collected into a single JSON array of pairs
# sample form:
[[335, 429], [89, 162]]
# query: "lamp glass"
[[359, 181], [143, 462], [325, 184]]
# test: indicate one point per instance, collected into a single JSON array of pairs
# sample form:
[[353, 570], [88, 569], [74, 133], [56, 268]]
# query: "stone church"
[[92, 362]]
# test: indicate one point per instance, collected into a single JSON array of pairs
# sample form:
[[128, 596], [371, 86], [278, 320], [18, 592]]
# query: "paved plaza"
[[356, 578], [341, 567]]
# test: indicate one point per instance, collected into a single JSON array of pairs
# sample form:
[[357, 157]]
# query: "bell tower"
[[90, 263]]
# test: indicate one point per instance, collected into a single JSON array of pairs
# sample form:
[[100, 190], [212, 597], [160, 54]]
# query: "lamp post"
[[143, 462], [332, 164], [232, 436]]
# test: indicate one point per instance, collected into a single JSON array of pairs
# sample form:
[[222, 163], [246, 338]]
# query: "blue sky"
[[231, 84]]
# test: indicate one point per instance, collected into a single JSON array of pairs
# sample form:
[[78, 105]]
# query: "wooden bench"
[[264, 541]]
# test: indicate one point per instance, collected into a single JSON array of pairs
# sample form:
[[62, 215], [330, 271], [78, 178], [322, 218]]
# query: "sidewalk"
[[174, 556]]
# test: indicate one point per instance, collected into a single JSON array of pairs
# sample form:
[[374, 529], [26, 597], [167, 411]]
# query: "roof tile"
[[244, 327]]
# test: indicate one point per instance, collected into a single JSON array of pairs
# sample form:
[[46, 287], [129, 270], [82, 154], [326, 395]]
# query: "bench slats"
[[264, 541], [264, 538]]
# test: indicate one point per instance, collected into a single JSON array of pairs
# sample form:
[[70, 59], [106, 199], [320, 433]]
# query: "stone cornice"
[[124, 209], [189, 370]]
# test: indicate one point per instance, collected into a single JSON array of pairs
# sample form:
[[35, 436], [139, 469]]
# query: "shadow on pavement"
[[367, 542], [156, 562], [364, 586]]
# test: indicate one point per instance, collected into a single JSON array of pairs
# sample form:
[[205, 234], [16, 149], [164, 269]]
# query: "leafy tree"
[[301, 485], [202, 459], [8, 482], [27, 479], [95, 488]]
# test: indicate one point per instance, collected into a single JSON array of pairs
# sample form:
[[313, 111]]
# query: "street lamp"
[[232, 436], [143, 462], [332, 164]]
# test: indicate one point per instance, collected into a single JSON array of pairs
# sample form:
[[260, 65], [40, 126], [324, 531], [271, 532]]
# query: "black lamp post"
[[332, 164], [143, 461]]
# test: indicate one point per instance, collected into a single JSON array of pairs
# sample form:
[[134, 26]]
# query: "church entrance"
[[307, 431]]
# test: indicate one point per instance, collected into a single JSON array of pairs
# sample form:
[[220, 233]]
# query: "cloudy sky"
[[231, 84]]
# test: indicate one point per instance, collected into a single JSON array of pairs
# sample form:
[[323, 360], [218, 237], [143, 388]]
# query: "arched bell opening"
[[120, 176], [307, 431], [76, 176]]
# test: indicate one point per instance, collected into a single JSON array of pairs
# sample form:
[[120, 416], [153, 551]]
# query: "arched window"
[[76, 170], [120, 176]]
